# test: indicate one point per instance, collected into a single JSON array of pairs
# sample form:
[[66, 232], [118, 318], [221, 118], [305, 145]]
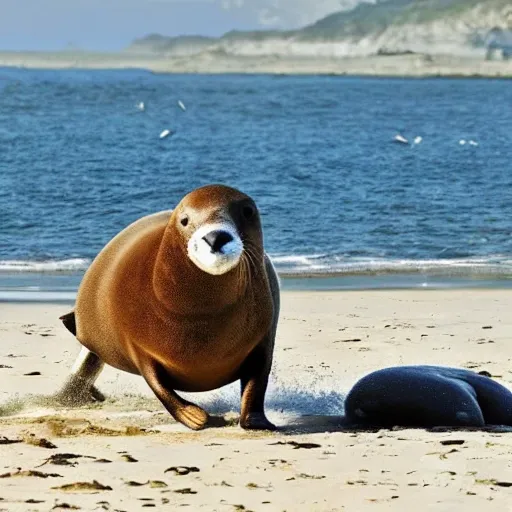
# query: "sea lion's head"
[[217, 225]]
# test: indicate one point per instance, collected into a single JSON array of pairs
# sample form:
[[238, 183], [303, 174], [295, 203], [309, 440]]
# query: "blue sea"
[[343, 205]]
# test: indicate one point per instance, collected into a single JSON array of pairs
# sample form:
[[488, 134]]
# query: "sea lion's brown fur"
[[144, 307]]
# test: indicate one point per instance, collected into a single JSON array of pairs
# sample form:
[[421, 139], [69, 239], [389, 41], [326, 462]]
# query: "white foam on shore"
[[323, 264], [299, 261], [302, 263], [66, 265]]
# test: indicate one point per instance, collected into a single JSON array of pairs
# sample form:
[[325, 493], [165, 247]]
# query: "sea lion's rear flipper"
[[69, 322], [79, 387]]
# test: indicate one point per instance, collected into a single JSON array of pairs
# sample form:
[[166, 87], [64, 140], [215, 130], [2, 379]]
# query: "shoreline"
[[386, 66], [61, 287]]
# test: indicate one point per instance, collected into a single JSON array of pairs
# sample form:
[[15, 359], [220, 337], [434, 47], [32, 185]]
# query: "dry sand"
[[415, 65], [325, 342]]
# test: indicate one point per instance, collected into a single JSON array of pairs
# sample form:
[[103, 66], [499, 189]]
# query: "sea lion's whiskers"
[[251, 255], [248, 265], [243, 272]]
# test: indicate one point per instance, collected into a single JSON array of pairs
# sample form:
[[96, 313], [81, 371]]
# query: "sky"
[[47, 25]]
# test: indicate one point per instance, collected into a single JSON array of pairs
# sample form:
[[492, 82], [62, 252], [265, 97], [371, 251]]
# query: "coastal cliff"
[[439, 27]]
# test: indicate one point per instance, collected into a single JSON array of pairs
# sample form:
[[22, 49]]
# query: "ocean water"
[[79, 161]]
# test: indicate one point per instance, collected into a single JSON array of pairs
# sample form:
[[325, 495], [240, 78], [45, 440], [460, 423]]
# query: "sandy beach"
[[128, 453], [412, 65]]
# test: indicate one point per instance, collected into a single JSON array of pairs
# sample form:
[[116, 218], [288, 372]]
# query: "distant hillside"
[[366, 20], [181, 45], [444, 27]]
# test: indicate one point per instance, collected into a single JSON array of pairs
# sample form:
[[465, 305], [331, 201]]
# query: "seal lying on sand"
[[427, 396], [186, 298]]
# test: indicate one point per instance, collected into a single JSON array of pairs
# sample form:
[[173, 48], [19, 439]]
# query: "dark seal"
[[428, 396]]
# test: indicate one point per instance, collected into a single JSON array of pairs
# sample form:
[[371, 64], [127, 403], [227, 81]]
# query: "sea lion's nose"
[[217, 239]]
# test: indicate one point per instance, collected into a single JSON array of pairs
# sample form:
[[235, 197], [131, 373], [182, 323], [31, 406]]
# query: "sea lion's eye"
[[248, 212], [184, 221]]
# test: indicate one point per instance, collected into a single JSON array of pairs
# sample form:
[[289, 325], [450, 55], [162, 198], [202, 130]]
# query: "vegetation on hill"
[[399, 25], [371, 19]]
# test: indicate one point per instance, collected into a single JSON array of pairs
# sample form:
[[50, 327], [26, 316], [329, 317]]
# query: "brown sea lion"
[[186, 298]]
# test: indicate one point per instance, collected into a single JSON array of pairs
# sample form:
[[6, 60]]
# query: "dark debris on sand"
[[83, 486], [296, 445], [30, 472]]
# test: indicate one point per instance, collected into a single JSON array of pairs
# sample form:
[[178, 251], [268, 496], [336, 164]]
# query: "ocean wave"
[[67, 265], [313, 264], [329, 264], [309, 261]]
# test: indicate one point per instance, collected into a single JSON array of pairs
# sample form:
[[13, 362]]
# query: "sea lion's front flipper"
[[69, 322], [256, 368], [254, 380], [187, 413]]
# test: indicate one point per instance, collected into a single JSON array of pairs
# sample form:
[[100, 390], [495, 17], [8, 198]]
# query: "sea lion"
[[428, 396], [186, 298]]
